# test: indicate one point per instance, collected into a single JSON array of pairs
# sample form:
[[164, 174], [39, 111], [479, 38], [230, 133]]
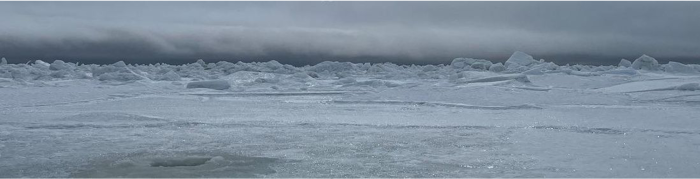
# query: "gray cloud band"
[[409, 31]]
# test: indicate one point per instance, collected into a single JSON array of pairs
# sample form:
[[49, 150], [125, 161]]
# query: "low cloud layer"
[[308, 32]]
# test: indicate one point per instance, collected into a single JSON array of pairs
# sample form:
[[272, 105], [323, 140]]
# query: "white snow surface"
[[339, 119]]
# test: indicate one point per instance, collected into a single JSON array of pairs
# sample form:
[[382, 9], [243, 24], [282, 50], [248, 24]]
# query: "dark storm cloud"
[[308, 32]]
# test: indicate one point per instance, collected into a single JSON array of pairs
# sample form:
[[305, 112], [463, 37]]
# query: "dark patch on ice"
[[53, 104], [532, 88], [110, 120], [394, 126], [671, 132], [67, 126], [306, 93], [549, 127], [178, 165], [177, 124], [109, 117], [180, 162], [587, 130], [623, 132], [519, 77], [425, 103], [600, 131]]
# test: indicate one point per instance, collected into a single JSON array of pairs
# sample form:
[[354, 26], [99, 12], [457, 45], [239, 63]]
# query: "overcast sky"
[[308, 32]]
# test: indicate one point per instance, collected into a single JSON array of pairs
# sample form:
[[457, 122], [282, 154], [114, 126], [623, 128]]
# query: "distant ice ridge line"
[[273, 72]]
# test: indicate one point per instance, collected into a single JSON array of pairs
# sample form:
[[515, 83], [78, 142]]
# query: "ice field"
[[471, 118]]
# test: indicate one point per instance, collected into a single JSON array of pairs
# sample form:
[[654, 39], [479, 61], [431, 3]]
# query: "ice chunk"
[[3, 61], [675, 67], [428, 68], [301, 76], [460, 63], [169, 76], [602, 68], [116, 67], [201, 62], [481, 64], [116, 72], [39, 63], [695, 66], [498, 67], [60, 65], [645, 63], [215, 84], [120, 64], [625, 63], [332, 67], [520, 58], [539, 69]]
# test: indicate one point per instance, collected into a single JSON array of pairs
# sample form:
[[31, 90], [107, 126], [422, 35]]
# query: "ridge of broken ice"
[[518, 63]]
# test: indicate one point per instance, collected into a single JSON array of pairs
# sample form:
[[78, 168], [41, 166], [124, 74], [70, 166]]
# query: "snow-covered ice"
[[470, 118], [214, 84], [645, 63]]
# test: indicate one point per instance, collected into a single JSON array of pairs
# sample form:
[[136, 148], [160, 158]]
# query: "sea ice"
[[688, 87], [59, 65], [498, 67], [624, 63], [215, 84], [520, 59], [645, 63], [675, 67], [341, 119]]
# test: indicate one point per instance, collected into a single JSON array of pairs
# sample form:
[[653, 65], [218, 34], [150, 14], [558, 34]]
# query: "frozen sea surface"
[[479, 124]]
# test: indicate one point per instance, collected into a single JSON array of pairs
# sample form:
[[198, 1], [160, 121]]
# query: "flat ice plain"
[[472, 118]]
